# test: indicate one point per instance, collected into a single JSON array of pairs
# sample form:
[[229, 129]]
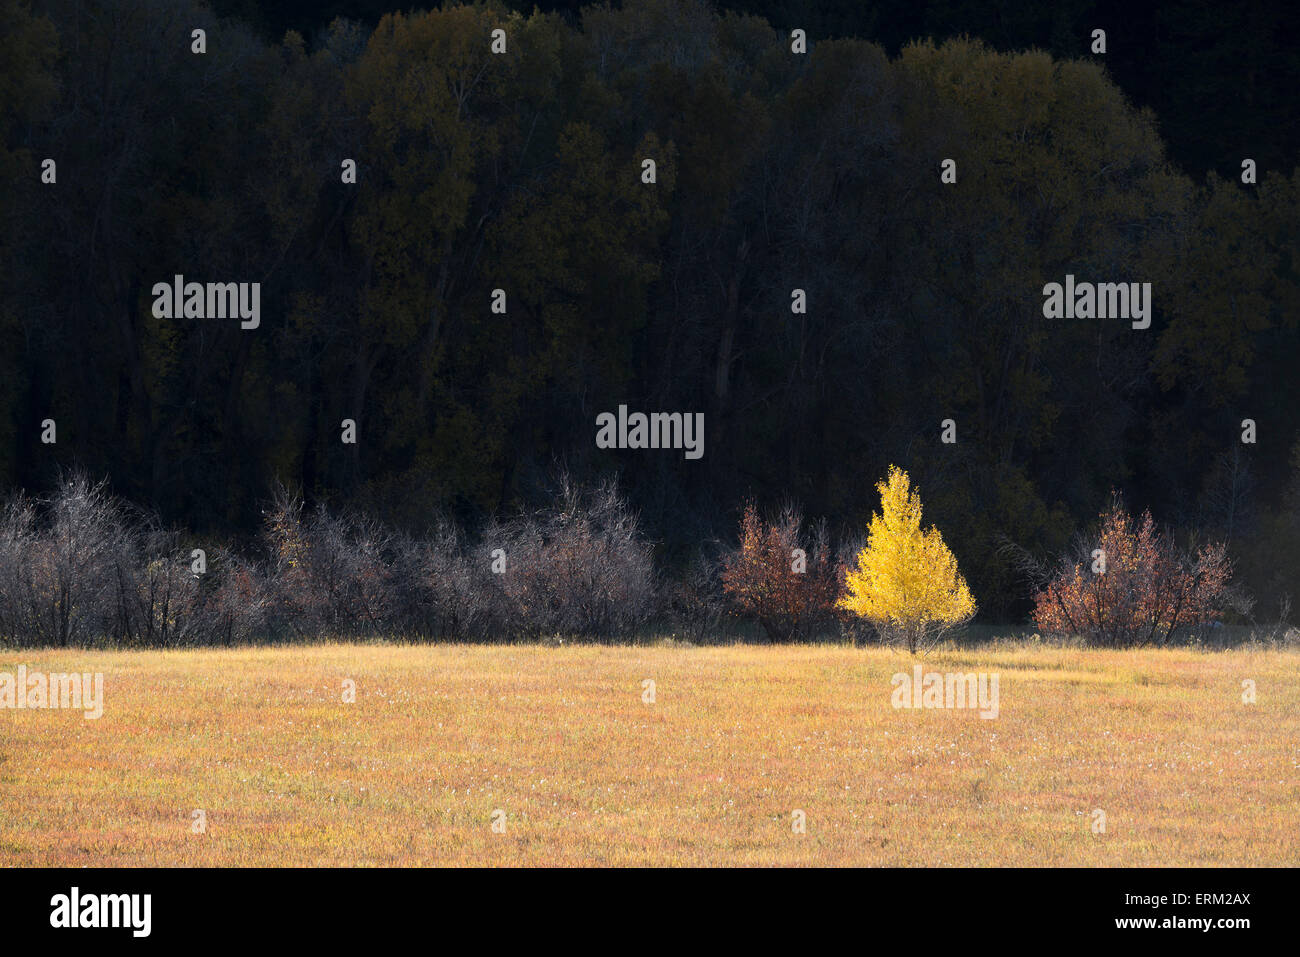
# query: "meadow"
[[564, 740]]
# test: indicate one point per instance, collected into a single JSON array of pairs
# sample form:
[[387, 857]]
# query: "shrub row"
[[83, 568]]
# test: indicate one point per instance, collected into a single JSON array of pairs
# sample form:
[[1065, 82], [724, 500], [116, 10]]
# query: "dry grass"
[[558, 738]]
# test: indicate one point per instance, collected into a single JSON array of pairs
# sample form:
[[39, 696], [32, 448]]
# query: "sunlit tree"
[[906, 582]]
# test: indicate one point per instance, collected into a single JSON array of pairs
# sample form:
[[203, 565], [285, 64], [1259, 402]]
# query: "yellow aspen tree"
[[906, 581]]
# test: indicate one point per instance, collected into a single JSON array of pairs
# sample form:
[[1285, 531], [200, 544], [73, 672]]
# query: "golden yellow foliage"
[[906, 579]]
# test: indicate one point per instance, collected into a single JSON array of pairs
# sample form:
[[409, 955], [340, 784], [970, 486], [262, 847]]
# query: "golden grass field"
[[439, 737]]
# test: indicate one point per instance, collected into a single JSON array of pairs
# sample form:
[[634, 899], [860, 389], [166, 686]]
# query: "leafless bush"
[[82, 568], [467, 599], [63, 562], [410, 602], [696, 601], [329, 574], [22, 586], [853, 629], [578, 567], [237, 601], [443, 592], [157, 599]]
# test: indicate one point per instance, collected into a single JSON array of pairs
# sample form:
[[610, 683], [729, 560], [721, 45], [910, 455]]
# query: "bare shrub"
[[22, 586], [82, 568], [409, 592], [853, 629], [328, 574], [237, 601], [578, 567], [64, 562], [157, 598], [466, 598], [441, 590], [696, 601]]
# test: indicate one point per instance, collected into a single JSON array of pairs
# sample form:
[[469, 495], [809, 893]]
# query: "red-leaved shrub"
[[779, 578], [1132, 585]]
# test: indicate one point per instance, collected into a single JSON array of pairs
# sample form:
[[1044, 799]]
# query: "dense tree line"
[[1217, 75], [523, 172]]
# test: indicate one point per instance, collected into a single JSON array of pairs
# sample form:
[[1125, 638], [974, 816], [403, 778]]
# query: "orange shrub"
[[786, 584], [1132, 585]]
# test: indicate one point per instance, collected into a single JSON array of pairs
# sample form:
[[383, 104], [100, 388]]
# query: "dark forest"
[[498, 273]]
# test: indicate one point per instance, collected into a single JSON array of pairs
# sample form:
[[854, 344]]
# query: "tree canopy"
[[522, 172]]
